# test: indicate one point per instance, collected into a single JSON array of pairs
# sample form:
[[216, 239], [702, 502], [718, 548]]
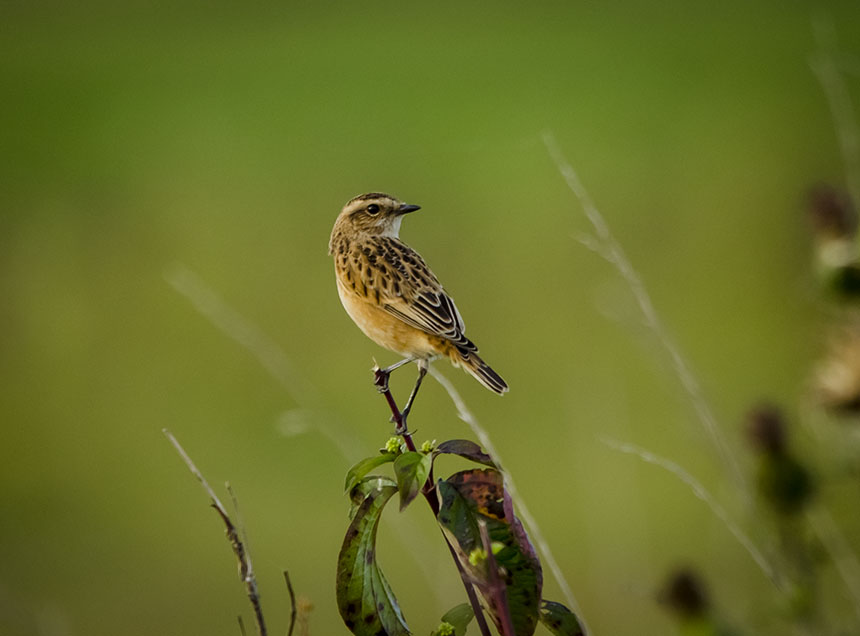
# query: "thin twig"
[[701, 493], [498, 590], [612, 251], [429, 492], [293, 609], [247, 573], [525, 514], [246, 569]]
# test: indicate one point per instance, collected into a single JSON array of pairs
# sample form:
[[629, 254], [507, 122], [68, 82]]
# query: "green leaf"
[[459, 618], [411, 470], [559, 620], [473, 495], [364, 598], [357, 472], [465, 448]]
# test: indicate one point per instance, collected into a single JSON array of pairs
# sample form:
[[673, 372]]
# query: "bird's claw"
[[380, 379], [401, 428]]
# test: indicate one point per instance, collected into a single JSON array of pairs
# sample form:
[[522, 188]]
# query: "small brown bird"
[[393, 297]]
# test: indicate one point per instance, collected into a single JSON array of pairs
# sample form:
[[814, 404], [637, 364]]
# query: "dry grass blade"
[[701, 493], [840, 551], [525, 514], [230, 322], [268, 353], [823, 64], [605, 244]]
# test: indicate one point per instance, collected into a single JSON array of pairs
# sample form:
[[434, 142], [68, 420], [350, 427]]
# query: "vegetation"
[[169, 178]]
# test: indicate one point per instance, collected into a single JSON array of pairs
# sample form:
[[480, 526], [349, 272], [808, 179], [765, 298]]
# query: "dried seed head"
[[766, 429], [684, 594], [837, 376], [832, 214]]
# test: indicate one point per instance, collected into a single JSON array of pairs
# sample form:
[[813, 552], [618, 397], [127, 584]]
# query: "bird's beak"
[[406, 209]]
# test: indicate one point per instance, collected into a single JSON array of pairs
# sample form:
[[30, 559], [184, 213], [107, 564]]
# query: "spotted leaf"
[[465, 448], [471, 496], [364, 598], [559, 620]]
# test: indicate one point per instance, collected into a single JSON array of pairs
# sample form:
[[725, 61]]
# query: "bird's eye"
[[373, 209]]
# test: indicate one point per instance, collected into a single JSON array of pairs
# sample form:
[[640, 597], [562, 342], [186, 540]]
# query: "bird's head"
[[375, 214]]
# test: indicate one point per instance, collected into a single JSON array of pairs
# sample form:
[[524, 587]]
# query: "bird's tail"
[[481, 371]]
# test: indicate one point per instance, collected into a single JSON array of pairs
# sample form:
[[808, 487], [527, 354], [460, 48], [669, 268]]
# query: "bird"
[[394, 297]]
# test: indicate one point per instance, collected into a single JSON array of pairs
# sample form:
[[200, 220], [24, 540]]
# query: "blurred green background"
[[211, 146]]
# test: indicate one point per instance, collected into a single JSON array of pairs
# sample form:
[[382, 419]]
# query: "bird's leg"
[[380, 376], [422, 371]]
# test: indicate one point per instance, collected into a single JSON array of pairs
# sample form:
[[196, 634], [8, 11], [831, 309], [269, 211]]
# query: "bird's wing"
[[413, 293]]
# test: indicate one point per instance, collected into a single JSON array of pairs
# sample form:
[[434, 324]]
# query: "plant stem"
[[240, 549], [470, 592], [293, 609], [380, 379], [497, 586], [429, 492]]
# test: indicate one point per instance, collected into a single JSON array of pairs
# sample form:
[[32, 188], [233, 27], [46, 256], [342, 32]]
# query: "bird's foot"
[[400, 427], [380, 379]]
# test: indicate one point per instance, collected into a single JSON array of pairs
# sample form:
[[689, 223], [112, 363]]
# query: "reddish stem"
[[497, 585], [429, 492]]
